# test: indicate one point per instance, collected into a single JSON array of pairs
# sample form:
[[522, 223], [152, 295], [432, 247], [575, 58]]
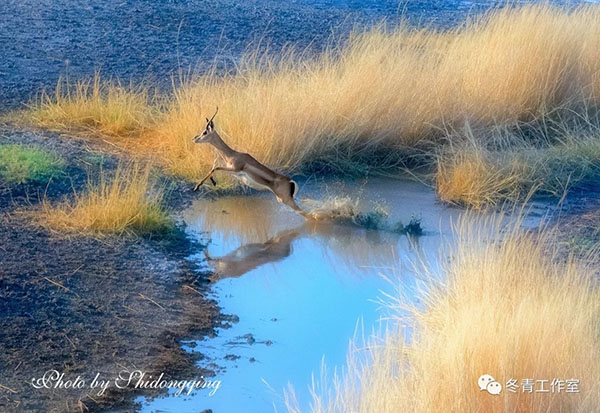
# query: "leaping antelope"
[[247, 169]]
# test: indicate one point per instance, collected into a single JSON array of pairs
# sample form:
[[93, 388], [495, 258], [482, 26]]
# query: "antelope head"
[[209, 131]]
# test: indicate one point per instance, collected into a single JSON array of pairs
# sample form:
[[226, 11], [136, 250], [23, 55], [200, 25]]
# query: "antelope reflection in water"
[[253, 255], [251, 221]]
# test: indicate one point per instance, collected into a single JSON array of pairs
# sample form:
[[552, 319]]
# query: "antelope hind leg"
[[292, 204]]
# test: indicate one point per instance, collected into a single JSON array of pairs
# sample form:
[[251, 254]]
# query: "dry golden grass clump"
[[364, 102], [96, 105], [472, 178], [125, 202], [506, 308], [487, 170]]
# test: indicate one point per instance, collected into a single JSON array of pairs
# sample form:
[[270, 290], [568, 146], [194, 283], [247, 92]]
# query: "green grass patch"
[[21, 164]]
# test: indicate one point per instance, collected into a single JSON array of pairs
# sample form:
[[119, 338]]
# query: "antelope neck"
[[218, 143]]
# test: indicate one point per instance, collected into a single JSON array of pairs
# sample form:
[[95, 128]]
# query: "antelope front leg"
[[213, 170], [199, 184]]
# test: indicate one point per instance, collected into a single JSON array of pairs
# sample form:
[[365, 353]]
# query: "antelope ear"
[[207, 120]]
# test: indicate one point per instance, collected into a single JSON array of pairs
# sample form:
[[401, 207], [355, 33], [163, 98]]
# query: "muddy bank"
[[578, 227], [83, 306]]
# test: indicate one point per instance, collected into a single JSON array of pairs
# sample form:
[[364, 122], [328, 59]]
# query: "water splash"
[[346, 210]]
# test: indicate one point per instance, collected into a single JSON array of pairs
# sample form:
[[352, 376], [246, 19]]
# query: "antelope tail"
[[294, 189]]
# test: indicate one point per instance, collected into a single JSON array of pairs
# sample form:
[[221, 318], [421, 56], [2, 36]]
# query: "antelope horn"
[[213, 116]]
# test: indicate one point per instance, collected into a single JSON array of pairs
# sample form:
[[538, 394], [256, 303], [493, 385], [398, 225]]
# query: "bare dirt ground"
[[578, 228], [83, 305]]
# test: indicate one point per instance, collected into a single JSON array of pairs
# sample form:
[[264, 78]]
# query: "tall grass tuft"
[[497, 311], [478, 171], [125, 202], [96, 105]]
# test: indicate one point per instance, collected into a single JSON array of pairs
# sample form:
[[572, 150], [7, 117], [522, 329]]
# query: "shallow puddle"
[[301, 291]]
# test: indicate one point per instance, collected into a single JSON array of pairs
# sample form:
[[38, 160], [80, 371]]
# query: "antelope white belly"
[[245, 179]]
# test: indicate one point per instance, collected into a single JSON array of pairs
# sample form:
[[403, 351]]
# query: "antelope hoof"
[[213, 181], [198, 186]]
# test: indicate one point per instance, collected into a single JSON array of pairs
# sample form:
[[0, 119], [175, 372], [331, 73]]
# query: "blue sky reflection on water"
[[303, 300]]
